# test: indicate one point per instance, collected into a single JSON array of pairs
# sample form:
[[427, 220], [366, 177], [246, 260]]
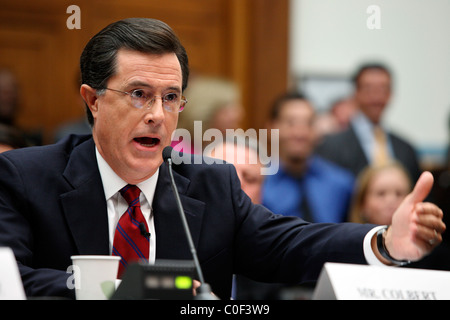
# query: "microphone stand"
[[204, 291]]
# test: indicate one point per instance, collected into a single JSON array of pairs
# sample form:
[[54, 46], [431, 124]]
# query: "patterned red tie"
[[131, 242]]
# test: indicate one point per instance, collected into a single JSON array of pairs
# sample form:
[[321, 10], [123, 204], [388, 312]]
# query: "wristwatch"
[[384, 252]]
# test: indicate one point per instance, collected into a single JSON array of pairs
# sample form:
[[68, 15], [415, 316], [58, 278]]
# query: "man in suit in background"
[[73, 197], [366, 141]]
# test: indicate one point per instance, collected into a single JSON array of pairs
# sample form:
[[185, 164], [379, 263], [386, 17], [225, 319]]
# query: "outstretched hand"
[[416, 227]]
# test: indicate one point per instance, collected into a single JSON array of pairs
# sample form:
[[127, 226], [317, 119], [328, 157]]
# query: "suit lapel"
[[171, 241], [85, 205]]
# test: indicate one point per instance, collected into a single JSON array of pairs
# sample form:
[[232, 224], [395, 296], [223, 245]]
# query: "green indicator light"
[[183, 282]]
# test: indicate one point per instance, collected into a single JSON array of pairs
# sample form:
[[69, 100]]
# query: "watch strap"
[[383, 250]]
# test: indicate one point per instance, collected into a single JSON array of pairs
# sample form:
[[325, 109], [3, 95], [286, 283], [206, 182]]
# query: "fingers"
[[195, 285], [428, 226], [429, 237], [416, 227], [430, 216]]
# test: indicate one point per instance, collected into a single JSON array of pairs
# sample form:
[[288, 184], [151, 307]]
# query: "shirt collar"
[[112, 183]]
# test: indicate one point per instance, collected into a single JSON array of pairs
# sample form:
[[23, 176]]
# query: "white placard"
[[11, 287], [339, 281]]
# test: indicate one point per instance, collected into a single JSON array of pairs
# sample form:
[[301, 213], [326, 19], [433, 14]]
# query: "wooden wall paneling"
[[269, 52], [259, 55], [28, 55], [34, 45], [245, 40]]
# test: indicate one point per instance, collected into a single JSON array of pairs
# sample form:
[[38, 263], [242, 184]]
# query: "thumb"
[[422, 187]]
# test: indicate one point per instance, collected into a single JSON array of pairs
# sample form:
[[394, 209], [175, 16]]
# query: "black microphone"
[[204, 291]]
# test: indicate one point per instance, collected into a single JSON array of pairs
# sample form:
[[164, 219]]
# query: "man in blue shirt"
[[306, 185]]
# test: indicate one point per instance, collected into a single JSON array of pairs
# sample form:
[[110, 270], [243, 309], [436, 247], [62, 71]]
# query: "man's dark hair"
[[281, 100], [98, 60], [369, 66]]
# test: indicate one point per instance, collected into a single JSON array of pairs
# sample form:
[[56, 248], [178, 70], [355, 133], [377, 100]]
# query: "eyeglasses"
[[172, 102]]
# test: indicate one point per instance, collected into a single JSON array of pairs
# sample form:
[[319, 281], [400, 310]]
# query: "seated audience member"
[[9, 97], [215, 103], [76, 197], [378, 193], [11, 138], [325, 124], [343, 111], [336, 119], [366, 141], [10, 106], [248, 169], [77, 126], [306, 185]]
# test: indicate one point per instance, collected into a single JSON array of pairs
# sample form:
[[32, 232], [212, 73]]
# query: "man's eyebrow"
[[138, 83]]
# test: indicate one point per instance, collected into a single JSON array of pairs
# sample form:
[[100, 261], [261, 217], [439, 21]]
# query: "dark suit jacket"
[[52, 206], [345, 150]]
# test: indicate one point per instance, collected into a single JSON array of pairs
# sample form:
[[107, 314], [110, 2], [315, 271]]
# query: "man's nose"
[[154, 111]]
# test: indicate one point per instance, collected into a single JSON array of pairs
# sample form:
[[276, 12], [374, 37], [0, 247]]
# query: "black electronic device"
[[165, 280]]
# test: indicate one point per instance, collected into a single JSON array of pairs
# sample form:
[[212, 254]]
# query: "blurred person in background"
[[249, 173], [75, 126], [325, 124], [336, 119], [248, 170], [9, 106], [306, 185], [366, 141], [343, 111], [9, 97], [216, 102], [378, 193], [11, 138]]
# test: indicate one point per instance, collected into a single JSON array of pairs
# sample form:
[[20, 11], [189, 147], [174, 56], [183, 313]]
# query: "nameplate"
[[361, 282], [11, 287]]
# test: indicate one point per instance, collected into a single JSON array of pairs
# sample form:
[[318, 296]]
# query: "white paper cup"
[[95, 276]]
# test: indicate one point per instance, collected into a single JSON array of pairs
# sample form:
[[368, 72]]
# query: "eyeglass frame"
[[151, 101]]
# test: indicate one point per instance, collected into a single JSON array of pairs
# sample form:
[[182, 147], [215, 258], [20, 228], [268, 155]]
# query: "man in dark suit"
[[67, 199], [357, 147]]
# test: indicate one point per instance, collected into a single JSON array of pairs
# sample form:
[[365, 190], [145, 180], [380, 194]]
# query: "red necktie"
[[130, 240]]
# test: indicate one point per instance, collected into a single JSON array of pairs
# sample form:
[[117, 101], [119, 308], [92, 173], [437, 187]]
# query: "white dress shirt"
[[117, 205]]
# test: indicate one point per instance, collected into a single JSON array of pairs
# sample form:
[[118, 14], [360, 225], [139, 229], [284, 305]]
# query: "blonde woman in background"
[[379, 191]]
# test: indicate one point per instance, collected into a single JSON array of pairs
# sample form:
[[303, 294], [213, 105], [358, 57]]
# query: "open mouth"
[[147, 142]]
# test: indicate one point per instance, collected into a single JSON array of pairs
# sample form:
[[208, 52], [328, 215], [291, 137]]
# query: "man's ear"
[[89, 95]]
